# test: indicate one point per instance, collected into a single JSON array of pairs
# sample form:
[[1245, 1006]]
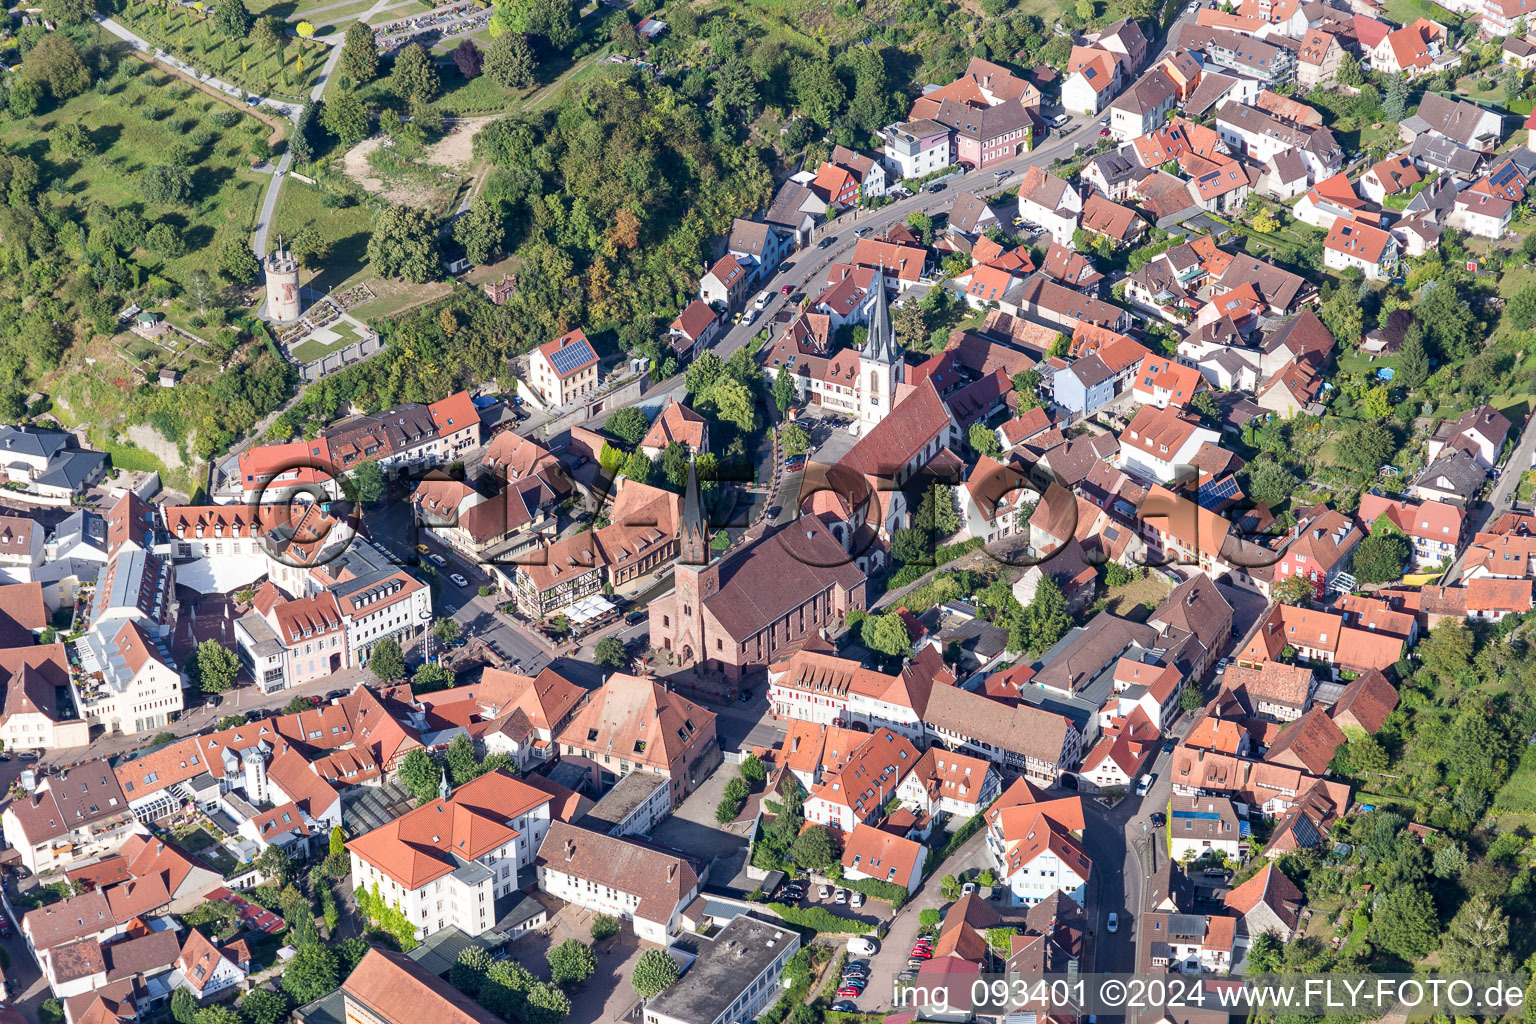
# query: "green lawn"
[[135, 125], [313, 349], [287, 72], [1405, 11], [346, 229]]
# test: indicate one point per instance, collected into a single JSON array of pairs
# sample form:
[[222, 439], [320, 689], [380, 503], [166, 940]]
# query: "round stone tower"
[[282, 269]]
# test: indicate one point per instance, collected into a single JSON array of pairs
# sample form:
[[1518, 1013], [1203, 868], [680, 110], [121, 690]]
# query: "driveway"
[[891, 959]]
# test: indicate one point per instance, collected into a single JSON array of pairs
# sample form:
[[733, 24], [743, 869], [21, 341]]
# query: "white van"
[[862, 945], [1145, 784]]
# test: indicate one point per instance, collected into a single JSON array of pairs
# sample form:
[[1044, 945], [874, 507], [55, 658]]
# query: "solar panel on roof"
[[567, 359]]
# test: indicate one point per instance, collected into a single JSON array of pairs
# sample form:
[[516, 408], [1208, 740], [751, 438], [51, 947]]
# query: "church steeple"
[[444, 791], [693, 534], [880, 346]]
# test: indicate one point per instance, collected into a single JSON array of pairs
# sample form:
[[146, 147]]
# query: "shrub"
[[604, 927], [816, 919]]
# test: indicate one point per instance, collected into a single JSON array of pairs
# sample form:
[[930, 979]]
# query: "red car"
[[785, 290], [1103, 133], [922, 954], [847, 992]]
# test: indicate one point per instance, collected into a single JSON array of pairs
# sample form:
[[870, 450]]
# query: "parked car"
[[847, 992], [967, 888], [337, 694], [1169, 744], [1113, 924], [747, 320], [840, 897], [863, 945], [636, 616], [1061, 119], [785, 290], [1159, 819], [1145, 784], [845, 1006], [824, 892], [1103, 133], [458, 581], [937, 188], [856, 900], [30, 755], [829, 240], [437, 560]]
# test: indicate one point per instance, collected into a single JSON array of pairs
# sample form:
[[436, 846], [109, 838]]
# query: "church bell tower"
[[881, 366]]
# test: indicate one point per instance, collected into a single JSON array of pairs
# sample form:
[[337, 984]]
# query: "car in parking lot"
[[863, 945], [458, 581], [823, 892], [845, 1006], [856, 900], [967, 888], [841, 897], [847, 992]]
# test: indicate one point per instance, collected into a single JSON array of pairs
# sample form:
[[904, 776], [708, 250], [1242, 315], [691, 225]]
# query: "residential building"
[[1037, 845], [1159, 441], [1415, 49], [391, 988], [1093, 79], [1479, 432], [45, 467], [639, 725], [32, 719], [209, 972], [447, 863], [1144, 106], [676, 424], [1049, 201], [1319, 547], [915, 149], [1372, 251], [618, 877], [1462, 122], [1269, 902], [1201, 826], [566, 369], [695, 328], [76, 815], [870, 852], [1318, 59]]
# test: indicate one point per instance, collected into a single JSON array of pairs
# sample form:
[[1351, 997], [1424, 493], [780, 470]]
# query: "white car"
[[824, 892], [862, 945], [841, 897], [1113, 924], [437, 560], [458, 581], [967, 888], [856, 900]]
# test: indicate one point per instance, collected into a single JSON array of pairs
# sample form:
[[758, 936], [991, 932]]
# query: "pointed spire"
[[693, 536], [880, 346], [444, 791]]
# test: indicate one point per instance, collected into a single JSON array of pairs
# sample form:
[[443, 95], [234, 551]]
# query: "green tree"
[[421, 775], [506, 986], [1026, 384], [984, 440], [1521, 310], [312, 972], [1477, 941], [163, 241], [68, 12], [733, 403], [509, 61], [345, 117], [238, 263], [338, 842], [818, 92], [752, 771], [794, 439], [469, 971], [628, 425], [217, 667], [230, 18], [609, 653], [1394, 104], [162, 183], [367, 481], [783, 391], [309, 247], [385, 660], [1403, 922], [359, 54], [404, 244], [1380, 558], [949, 887], [71, 141], [463, 765], [264, 1006], [184, 1006], [1447, 651], [886, 634], [571, 963], [654, 972], [732, 797], [1342, 315], [1366, 446], [274, 863], [929, 919], [1047, 616], [447, 630], [1412, 361], [216, 1015], [1264, 954], [1190, 699], [638, 466], [56, 65], [1349, 73], [1296, 591], [813, 849], [480, 231], [22, 99], [414, 78]]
